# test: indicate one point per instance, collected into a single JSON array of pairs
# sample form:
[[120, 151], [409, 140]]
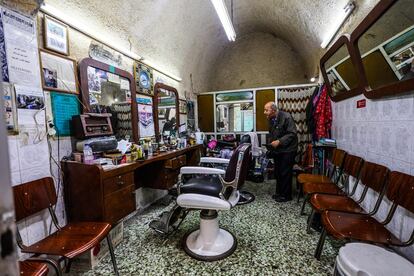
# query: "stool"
[[370, 260]]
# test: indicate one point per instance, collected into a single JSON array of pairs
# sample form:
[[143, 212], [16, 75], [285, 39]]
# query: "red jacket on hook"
[[323, 115]]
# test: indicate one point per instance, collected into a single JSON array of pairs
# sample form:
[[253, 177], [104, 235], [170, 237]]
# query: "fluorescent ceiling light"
[[224, 18], [88, 31], [340, 20]]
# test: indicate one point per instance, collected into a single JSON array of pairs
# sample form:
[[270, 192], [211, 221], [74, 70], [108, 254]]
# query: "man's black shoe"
[[282, 199], [275, 196]]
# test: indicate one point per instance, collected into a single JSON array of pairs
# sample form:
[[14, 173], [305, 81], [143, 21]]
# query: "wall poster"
[[145, 116], [20, 46], [59, 73], [30, 105], [64, 106]]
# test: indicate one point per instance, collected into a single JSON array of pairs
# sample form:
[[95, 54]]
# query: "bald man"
[[284, 145]]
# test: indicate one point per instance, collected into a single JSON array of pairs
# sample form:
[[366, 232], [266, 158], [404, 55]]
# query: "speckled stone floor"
[[271, 236]]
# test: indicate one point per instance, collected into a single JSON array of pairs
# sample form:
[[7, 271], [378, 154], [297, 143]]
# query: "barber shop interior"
[[207, 137]]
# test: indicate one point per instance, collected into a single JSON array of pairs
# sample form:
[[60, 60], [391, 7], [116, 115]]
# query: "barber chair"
[[211, 190]]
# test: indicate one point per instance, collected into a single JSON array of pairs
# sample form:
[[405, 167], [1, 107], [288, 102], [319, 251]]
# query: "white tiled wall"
[[383, 133], [30, 161]]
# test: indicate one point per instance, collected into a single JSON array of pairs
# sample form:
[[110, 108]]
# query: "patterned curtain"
[[294, 100]]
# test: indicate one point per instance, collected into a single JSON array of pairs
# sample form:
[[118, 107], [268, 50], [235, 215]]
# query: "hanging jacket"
[[310, 109], [323, 115]]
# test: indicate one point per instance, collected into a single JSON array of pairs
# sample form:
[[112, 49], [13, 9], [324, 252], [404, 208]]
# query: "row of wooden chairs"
[[343, 217], [66, 242]]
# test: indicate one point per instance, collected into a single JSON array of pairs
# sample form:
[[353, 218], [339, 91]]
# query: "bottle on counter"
[[87, 154]]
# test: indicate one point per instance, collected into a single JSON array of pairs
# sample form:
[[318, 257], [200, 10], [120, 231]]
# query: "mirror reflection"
[[110, 93], [232, 117], [341, 72], [167, 111], [387, 47]]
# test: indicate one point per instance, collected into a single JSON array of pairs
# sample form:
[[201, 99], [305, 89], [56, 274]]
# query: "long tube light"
[[70, 21], [340, 20], [224, 18]]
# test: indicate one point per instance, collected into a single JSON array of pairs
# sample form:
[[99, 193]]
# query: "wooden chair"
[[304, 166], [67, 242], [32, 268], [363, 227], [337, 162], [373, 176], [352, 167]]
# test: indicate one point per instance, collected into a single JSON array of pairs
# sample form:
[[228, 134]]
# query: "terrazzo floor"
[[272, 240]]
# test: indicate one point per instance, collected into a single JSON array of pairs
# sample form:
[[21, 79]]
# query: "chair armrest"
[[203, 202], [214, 160], [201, 170]]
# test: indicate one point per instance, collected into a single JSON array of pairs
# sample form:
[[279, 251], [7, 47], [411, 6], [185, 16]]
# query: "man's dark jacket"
[[283, 128]]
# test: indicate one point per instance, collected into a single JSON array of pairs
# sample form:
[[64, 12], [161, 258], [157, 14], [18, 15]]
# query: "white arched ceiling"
[[185, 37]]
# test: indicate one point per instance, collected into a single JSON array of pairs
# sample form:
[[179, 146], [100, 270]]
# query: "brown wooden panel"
[[118, 182], [262, 97], [119, 204], [205, 104]]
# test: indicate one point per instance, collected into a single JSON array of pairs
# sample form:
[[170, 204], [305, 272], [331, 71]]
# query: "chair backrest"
[[374, 176], [337, 162], [401, 190], [353, 165], [307, 159], [338, 156], [33, 197], [238, 165]]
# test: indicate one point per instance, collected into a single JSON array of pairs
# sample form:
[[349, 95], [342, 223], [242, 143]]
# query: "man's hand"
[[275, 144]]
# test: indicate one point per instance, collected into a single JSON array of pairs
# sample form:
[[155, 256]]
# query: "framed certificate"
[[56, 36]]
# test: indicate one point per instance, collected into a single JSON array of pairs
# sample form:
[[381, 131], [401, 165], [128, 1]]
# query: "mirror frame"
[[387, 90], [157, 86], [342, 40], [83, 72]]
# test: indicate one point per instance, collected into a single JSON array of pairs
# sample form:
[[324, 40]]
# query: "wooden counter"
[[96, 194]]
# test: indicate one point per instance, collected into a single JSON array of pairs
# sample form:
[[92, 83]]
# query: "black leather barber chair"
[[211, 190]]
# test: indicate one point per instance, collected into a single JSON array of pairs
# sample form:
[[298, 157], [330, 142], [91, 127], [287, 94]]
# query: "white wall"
[[382, 133]]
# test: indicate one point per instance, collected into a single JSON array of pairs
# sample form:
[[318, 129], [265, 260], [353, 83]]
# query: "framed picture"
[[182, 106], [58, 72], [56, 36]]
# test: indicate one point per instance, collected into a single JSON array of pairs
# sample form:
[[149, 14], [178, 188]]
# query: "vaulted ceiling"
[[185, 36]]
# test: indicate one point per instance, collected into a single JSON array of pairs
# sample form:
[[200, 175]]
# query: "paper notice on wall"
[[124, 84], [20, 39], [30, 105]]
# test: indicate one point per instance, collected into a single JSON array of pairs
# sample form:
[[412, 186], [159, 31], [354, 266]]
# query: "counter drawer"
[[119, 204], [176, 162], [119, 182]]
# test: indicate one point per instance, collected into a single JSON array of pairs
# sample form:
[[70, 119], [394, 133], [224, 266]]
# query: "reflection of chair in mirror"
[[214, 190]]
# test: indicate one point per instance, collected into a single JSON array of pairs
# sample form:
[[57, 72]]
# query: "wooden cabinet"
[[94, 194], [91, 195]]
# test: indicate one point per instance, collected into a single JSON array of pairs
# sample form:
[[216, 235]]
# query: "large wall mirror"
[[339, 72], [106, 89], [234, 112], [385, 43], [167, 119]]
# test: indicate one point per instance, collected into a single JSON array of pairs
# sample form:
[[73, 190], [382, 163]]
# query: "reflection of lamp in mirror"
[[340, 20]]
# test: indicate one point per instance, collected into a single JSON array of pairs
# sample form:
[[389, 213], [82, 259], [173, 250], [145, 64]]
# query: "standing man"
[[284, 144]]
